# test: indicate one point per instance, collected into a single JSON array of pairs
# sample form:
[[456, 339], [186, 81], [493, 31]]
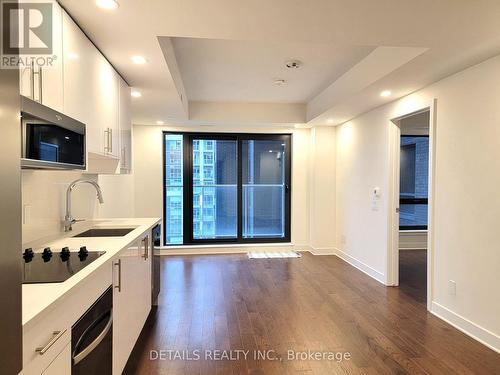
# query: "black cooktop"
[[55, 267]]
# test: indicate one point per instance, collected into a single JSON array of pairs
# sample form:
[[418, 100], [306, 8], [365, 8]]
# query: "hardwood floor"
[[316, 303], [413, 274]]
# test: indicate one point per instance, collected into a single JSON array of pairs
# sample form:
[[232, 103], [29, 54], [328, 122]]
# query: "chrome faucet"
[[68, 219]]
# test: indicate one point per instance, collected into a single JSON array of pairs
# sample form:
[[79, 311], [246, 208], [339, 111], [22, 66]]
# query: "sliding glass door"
[[264, 188], [235, 188], [214, 189]]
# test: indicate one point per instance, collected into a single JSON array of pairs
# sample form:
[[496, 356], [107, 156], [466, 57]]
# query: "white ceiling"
[[226, 52], [244, 71]]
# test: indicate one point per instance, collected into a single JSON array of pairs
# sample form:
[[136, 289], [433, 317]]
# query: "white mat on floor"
[[273, 254]]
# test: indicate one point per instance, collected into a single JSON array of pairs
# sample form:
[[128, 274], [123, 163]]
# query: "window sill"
[[215, 246]]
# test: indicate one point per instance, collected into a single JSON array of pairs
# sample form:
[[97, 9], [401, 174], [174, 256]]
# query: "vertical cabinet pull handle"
[[40, 83], [38, 73], [110, 140], [146, 247], [119, 265], [124, 162], [106, 141], [32, 80]]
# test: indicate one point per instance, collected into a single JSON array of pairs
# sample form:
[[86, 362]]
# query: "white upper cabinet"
[[92, 95], [44, 83], [125, 128], [106, 105], [78, 75]]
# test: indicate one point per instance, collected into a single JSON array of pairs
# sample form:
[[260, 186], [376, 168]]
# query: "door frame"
[[393, 215]]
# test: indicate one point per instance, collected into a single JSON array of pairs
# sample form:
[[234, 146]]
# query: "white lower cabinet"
[[47, 340], [62, 364], [131, 299]]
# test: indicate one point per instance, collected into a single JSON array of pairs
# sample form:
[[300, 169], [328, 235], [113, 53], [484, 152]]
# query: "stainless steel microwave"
[[50, 139]]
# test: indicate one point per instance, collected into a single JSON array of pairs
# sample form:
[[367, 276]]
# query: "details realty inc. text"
[[240, 354]]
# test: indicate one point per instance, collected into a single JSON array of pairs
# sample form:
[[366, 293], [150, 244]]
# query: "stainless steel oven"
[[92, 339], [50, 139]]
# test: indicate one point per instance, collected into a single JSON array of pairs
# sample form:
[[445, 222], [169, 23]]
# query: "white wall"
[[467, 202], [362, 165], [45, 192], [148, 162], [322, 165]]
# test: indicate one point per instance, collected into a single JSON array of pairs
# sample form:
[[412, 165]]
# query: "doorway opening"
[[410, 254], [413, 204]]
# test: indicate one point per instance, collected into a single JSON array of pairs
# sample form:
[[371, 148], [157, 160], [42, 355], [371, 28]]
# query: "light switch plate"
[[452, 287]]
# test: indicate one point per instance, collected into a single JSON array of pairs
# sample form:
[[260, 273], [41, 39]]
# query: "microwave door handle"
[[94, 344]]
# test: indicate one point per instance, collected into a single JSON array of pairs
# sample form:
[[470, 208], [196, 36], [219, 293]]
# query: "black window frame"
[[420, 201], [188, 208]]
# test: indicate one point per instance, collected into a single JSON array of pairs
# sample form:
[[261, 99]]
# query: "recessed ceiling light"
[[329, 121], [107, 4], [293, 64], [139, 60], [72, 56], [136, 94], [159, 122], [385, 93]]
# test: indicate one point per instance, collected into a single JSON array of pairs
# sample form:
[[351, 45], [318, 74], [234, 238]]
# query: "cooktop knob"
[[83, 253], [28, 255], [65, 253], [47, 254]]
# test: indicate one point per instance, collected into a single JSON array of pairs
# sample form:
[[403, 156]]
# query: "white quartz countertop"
[[39, 297]]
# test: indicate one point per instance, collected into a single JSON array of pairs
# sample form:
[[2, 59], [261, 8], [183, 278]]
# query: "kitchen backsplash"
[[44, 200]]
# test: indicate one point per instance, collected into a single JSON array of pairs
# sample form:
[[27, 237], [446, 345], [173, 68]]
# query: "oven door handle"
[[85, 352]]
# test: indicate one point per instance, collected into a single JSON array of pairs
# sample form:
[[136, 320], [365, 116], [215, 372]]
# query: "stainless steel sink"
[[105, 232]]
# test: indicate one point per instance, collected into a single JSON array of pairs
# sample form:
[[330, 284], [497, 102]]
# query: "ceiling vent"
[[293, 64]]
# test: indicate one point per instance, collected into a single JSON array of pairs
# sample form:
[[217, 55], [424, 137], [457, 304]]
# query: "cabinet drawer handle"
[[57, 335], [119, 265]]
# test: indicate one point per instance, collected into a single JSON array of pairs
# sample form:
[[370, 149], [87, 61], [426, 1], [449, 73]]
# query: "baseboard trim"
[[373, 273], [229, 249], [322, 250], [478, 333]]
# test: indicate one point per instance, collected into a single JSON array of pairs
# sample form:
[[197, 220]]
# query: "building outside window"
[[414, 180], [173, 189]]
